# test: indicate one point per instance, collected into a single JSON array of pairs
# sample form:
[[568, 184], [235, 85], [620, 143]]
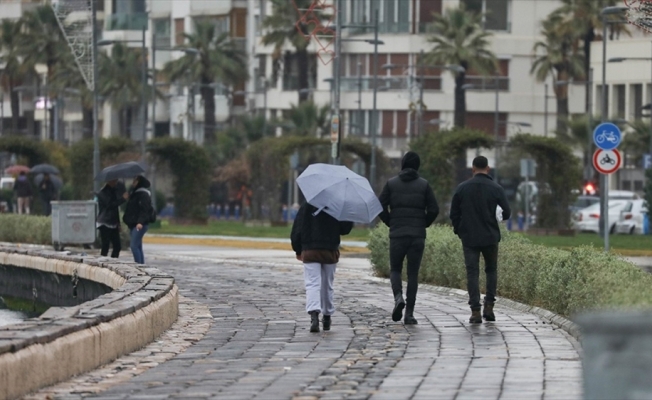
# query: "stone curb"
[[66, 341], [563, 323]]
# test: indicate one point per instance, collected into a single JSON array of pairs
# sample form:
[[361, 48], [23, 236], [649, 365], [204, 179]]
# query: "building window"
[[485, 122], [481, 82], [427, 8], [162, 32], [291, 72], [220, 22], [358, 122], [619, 92], [638, 186], [626, 185], [394, 15], [179, 30], [636, 92], [495, 13]]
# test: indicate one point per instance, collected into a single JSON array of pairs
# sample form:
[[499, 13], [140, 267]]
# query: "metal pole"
[[604, 189], [421, 84], [264, 107], [143, 96], [2, 114], [336, 81], [46, 115], [56, 119], [96, 134], [359, 119], [374, 119], [589, 106], [496, 115], [153, 166], [527, 198], [545, 113], [651, 112]]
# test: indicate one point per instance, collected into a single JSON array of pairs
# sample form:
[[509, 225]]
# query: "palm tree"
[[14, 71], [219, 60], [459, 39], [42, 40], [120, 81], [308, 119], [282, 27], [556, 56]]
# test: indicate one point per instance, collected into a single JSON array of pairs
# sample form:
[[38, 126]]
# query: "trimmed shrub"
[[31, 229], [565, 282]]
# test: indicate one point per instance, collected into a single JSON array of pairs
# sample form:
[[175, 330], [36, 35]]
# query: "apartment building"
[[513, 94]]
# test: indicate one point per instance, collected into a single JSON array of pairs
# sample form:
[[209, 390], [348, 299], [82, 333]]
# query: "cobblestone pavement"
[[259, 346]]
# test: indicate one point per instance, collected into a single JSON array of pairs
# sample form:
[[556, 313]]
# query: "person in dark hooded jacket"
[[138, 215], [109, 200], [409, 207]]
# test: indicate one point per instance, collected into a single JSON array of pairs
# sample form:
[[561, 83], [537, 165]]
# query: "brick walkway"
[[259, 346]]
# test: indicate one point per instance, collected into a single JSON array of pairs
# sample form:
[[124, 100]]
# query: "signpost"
[[606, 160]]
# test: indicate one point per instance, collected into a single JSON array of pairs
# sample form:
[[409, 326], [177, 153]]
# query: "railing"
[[350, 83], [488, 83], [126, 22]]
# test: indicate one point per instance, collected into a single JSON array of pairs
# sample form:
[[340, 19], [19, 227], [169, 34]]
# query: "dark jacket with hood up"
[[109, 200], [22, 187], [317, 232], [473, 211], [139, 205], [409, 204]]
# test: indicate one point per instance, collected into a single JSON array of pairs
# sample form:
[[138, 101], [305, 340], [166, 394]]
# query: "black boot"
[[314, 321], [488, 312], [399, 305], [327, 322], [476, 318], [409, 316]]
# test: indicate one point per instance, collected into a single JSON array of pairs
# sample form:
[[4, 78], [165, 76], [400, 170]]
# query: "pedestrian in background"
[[316, 240], [409, 207], [109, 199], [48, 193], [23, 191], [138, 215], [473, 213]]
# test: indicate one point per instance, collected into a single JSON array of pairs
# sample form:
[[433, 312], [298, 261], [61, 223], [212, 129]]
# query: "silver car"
[[631, 218]]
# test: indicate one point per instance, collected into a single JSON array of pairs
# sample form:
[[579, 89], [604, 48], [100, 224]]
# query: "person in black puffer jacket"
[[409, 207], [109, 199], [316, 240], [138, 215]]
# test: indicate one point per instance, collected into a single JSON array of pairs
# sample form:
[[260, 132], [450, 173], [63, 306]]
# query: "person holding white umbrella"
[[336, 198]]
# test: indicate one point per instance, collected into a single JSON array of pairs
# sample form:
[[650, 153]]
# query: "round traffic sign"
[[607, 136], [607, 161]]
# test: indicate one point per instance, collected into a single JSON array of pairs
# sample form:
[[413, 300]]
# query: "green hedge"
[[30, 229], [565, 282]]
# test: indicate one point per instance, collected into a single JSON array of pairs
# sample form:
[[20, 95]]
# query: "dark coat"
[[473, 211], [109, 200], [139, 206], [409, 204], [47, 190], [317, 232], [22, 187]]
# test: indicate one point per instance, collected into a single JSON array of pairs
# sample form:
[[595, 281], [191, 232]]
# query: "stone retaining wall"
[[66, 341]]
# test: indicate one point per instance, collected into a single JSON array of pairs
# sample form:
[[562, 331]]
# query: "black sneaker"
[[327, 322], [314, 321], [399, 305]]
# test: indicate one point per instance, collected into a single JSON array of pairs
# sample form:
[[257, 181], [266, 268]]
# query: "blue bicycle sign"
[[607, 136]]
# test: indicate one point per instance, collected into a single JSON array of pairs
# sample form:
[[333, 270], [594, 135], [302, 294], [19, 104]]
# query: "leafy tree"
[[255, 128], [558, 57], [42, 39], [308, 119], [14, 72], [281, 27], [459, 39], [219, 61]]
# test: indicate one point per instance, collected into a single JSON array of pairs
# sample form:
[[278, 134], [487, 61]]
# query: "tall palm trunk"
[[561, 93], [460, 101], [302, 65], [208, 96], [87, 122], [14, 99], [589, 36]]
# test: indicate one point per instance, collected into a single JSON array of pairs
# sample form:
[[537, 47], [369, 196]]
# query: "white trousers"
[[319, 287]]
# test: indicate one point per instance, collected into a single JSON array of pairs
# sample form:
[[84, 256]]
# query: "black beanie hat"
[[411, 160]]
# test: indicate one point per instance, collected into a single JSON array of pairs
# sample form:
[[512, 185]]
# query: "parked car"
[[583, 202], [623, 195], [587, 219], [631, 218]]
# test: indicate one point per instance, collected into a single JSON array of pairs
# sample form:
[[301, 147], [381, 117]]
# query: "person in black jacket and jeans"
[[473, 213], [409, 207], [138, 215], [109, 199], [316, 241]]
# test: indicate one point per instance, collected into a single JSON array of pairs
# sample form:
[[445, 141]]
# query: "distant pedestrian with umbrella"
[[409, 207], [109, 199], [336, 198], [139, 213], [23, 191], [473, 213], [48, 193]]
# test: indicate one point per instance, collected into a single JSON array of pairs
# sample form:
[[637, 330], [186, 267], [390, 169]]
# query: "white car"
[[587, 219], [631, 218]]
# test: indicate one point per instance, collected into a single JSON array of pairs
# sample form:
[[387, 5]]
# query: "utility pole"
[[421, 85], [96, 134], [143, 97], [374, 118], [335, 115], [545, 112]]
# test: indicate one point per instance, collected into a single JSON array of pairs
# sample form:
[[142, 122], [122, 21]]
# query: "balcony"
[[488, 83], [350, 84], [126, 22]]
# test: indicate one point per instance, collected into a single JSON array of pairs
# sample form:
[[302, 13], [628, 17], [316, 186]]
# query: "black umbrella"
[[56, 181], [45, 169], [119, 171]]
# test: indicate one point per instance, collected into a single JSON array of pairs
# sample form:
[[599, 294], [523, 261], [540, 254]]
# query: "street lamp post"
[[96, 134]]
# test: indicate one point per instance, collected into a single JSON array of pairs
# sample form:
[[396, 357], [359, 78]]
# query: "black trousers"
[[110, 236], [472, 261], [412, 249]]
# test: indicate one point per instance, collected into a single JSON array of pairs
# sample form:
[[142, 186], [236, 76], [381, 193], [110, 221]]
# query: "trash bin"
[[73, 222]]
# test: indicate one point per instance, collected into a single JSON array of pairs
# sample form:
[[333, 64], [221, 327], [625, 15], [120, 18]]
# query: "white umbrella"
[[340, 192]]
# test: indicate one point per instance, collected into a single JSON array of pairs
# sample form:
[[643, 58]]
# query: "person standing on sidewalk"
[[23, 193], [138, 215], [48, 193], [409, 207], [316, 240], [473, 213], [109, 200]]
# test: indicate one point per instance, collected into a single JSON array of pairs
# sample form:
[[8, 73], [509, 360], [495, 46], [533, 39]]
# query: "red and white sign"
[[607, 161]]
